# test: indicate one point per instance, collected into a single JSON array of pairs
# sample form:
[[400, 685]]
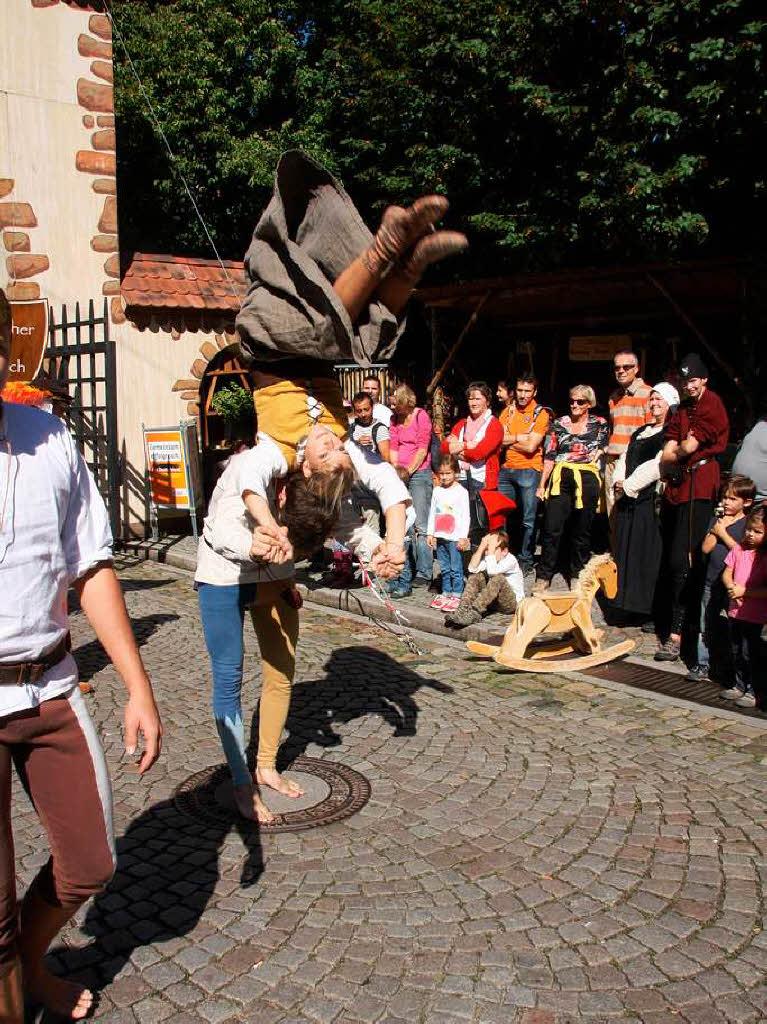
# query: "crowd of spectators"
[[497, 489]]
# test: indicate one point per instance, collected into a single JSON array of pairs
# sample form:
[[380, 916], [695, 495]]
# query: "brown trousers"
[[58, 757], [482, 590]]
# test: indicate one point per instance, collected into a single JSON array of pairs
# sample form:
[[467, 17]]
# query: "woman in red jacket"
[[476, 442]]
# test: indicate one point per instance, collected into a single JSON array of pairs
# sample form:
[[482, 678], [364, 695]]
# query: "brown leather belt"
[[21, 672]]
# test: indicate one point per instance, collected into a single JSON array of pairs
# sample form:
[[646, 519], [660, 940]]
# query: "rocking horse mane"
[[588, 574]]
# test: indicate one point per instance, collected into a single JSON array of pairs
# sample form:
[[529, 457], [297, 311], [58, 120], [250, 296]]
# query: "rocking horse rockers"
[[567, 613]]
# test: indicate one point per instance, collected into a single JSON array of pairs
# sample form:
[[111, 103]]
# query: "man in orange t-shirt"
[[524, 425]]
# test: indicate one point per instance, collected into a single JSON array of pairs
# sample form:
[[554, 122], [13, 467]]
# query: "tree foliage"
[[564, 132]]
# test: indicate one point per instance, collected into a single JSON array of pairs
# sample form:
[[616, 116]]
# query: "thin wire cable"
[[171, 154]]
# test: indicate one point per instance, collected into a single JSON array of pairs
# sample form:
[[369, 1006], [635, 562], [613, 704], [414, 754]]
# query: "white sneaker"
[[748, 700], [734, 693]]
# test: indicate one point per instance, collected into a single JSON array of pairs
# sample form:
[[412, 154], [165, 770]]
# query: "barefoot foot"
[[60, 997], [250, 805], [271, 777]]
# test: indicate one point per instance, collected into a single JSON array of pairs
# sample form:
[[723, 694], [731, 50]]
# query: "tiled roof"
[[180, 282]]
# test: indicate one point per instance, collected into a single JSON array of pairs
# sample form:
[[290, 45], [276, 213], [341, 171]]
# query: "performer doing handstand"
[[323, 290]]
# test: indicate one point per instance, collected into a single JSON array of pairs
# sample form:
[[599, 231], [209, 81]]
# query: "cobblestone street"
[[535, 849]]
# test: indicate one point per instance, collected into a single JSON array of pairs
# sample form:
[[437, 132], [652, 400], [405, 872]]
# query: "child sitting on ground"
[[745, 580], [724, 532], [448, 532], [495, 580]]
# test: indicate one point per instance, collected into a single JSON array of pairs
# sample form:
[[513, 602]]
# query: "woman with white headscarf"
[[638, 543]]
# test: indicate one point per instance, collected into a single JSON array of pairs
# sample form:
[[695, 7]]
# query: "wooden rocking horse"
[[567, 613]]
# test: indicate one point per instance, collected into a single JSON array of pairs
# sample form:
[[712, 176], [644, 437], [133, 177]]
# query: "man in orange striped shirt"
[[628, 412]]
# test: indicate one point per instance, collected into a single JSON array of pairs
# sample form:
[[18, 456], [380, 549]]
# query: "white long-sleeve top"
[[507, 566], [223, 554], [645, 473], [449, 513]]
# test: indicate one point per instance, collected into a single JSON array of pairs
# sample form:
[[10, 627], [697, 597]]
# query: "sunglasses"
[[579, 401], [626, 366]]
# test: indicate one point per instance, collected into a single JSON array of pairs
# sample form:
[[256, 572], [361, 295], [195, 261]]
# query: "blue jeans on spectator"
[[450, 566], [712, 602], [420, 486], [222, 610], [520, 485]]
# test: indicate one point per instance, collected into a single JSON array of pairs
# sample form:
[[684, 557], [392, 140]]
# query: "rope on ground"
[[403, 633]]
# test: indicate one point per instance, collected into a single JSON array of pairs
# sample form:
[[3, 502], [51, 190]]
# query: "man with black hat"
[[694, 435]]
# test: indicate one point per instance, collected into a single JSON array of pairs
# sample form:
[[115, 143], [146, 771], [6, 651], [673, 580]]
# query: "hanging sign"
[[588, 348], [29, 338]]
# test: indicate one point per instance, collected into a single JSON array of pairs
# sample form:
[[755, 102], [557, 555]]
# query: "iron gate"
[[81, 358]]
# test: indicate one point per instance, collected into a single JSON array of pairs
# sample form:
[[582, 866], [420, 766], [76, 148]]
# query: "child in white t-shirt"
[[495, 579], [448, 532]]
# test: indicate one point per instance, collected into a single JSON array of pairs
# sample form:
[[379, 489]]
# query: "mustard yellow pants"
[[276, 626], [286, 410]]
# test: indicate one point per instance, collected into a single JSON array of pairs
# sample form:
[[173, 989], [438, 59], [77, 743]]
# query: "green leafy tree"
[[564, 133]]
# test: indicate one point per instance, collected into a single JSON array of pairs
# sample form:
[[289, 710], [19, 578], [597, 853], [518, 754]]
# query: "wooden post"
[[453, 351]]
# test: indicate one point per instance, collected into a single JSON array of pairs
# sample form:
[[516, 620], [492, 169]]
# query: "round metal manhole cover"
[[332, 792]]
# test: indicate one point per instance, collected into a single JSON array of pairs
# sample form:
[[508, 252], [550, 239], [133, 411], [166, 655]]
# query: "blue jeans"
[[420, 486], [520, 485], [712, 602], [450, 566], [222, 610]]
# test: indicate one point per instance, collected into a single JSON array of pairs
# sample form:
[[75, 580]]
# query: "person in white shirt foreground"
[[242, 565], [495, 582], [54, 533], [448, 532]]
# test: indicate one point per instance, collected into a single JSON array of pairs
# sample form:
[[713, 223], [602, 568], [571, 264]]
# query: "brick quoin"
[[104, 243], [104, 139], [95, 163], [105, 186], [87, 46], [17, 215], [23, 265], [100, 26], [103, 69], [6, 187], [23, 291], [94, 96], [16, 241]]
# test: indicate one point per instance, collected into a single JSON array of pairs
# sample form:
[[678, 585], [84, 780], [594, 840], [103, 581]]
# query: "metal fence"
[[81, 358]]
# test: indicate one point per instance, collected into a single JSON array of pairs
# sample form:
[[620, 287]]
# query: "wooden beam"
[[453, 351]]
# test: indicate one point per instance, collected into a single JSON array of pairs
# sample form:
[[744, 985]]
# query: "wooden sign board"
[[595, 348], [29, 338]]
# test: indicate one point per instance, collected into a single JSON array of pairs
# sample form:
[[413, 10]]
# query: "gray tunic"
[[308, 234]]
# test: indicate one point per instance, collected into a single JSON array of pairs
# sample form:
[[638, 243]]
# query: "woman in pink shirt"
[[410, 453], [745, 580]]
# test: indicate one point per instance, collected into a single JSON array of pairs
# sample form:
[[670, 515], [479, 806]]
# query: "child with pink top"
[[745, 580]]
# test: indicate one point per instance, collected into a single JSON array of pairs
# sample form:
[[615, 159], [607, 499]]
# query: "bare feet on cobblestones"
[[250, 805], [60, 997], [271, 777]]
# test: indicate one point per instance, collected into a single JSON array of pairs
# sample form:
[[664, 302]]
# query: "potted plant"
[[234, 404]]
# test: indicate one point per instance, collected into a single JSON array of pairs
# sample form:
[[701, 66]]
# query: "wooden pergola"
[[691, 297]]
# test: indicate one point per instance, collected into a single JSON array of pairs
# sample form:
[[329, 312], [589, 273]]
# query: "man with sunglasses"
[[629, 410]]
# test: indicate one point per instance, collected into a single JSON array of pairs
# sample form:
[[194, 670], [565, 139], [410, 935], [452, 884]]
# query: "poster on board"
[[173, 471]]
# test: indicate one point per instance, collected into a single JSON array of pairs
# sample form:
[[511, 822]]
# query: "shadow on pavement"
[[91, 658], [167, 869], [358, 681]]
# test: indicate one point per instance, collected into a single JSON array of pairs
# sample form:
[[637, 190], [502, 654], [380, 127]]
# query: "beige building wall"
[[148, 363], [58, 218]]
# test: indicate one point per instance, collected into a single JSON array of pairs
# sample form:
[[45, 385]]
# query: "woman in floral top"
[[571, 483]]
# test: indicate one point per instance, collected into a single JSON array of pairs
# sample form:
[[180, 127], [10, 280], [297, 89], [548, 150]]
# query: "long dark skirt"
[[638, 551]]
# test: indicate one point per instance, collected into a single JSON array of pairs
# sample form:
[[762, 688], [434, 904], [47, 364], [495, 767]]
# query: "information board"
[[173, 470]]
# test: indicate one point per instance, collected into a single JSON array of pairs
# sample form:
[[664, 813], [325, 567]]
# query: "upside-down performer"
[[323, 289]]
